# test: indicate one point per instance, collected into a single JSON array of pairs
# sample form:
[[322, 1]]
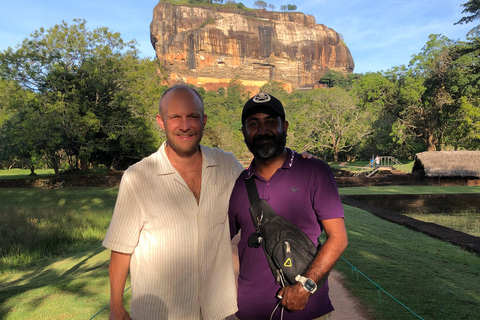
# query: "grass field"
[[68, 278], [409, 190], [434, 279], [466, 221], [25, 174]]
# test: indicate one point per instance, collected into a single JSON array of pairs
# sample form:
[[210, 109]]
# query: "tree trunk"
[[335, 154], [83, 164], [431, 142], [54, 162]]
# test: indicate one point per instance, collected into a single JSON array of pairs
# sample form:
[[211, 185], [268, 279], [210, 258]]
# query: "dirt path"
[[346, 306]]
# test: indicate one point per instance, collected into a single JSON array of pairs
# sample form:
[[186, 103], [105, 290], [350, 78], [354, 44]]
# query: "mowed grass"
[[465, 221], [408, 190], [38, 224], [52, 263], [68, 279], [25, 173], [434, 279]]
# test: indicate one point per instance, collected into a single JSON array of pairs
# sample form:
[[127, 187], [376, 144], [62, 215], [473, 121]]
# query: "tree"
[[291, 7], [224, 107], [85, 109], [332, 120], [431, 117], [338, 79], [472, 7], [271, 7], [260, 4], [283, 7]]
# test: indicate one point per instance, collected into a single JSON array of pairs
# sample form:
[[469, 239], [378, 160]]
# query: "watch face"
[[310, 285]]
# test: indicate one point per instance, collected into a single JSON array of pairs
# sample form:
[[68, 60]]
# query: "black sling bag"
[[288, 250]]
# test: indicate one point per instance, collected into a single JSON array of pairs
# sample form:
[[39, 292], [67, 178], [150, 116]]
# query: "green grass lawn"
[[465, 221], [69, 278], [25, 174], [408, 190], [434, 279]]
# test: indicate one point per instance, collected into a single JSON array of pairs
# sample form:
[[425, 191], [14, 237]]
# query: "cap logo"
[[262, 97]]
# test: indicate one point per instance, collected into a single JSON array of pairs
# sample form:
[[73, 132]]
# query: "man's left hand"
[[294, 297], [306, 155]]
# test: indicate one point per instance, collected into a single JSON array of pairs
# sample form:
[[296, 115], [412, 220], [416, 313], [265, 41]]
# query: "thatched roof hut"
[[449, 164]]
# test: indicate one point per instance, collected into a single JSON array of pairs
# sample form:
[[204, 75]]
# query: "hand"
[[294, 297], [306, 155], [119, 314]]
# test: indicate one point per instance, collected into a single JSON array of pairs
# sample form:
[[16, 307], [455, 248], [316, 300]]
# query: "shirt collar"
[[287, 164], [165, 167]]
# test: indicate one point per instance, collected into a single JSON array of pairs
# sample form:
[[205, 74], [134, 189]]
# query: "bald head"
[[180, 91]]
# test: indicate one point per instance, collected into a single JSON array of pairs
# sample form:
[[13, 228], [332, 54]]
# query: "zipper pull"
[[287, 246]]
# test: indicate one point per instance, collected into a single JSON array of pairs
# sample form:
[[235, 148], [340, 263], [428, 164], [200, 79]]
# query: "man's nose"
[[262, 128], [185, 125]]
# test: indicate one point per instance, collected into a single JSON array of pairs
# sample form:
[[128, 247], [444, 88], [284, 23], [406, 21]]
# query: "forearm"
[[328, 254], [294, 296], [118, 270]]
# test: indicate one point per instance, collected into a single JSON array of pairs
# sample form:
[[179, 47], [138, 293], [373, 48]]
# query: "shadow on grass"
[[59, 275]]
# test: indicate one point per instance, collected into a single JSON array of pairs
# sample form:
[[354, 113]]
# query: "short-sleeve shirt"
[[304, 192], [181, 259]]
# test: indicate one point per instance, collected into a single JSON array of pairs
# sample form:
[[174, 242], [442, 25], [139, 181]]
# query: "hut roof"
[[450, 163]]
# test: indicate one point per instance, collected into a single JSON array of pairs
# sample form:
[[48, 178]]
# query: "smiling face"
[[183, 120], [265, 135]]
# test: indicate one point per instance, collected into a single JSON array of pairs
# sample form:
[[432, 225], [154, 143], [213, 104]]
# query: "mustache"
[[264, 137]]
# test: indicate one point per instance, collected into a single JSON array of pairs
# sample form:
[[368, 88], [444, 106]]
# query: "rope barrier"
[[379, 289], [96, 314], [354, 270]]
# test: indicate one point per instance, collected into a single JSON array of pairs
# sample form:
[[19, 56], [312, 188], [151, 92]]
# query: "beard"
[[184, 148], [266, 147]]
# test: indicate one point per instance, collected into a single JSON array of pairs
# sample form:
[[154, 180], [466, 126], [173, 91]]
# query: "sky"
[[380, 34]]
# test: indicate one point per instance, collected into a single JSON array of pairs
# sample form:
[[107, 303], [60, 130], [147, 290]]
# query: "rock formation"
[[209, 46]]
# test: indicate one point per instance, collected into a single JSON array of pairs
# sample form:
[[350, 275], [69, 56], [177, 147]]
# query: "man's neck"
[[189, 167], [182, 159], [267, 168]]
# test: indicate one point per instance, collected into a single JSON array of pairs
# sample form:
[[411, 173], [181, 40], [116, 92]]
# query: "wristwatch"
[[308, 284]]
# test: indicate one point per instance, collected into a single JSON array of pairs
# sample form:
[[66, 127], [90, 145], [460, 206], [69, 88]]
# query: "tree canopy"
[[76, 98], [82, 107]]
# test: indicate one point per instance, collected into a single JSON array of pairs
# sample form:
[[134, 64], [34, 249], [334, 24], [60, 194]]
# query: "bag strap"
[[252, 190]]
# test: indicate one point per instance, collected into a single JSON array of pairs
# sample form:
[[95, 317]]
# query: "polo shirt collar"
[[165, 167], [287, 164]]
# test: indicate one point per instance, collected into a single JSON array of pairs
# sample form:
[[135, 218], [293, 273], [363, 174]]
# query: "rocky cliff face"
[[210, 46]]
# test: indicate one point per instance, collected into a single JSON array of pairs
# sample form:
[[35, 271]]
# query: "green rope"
[[96, 314], [354, 269]]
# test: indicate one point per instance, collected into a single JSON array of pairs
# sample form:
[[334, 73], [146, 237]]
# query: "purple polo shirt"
[[304, 192]]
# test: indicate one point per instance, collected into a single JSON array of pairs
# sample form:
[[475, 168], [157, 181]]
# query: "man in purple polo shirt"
[[301, 190]]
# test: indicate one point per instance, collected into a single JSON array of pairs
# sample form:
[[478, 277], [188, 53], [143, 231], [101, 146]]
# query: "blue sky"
[[380, 34]]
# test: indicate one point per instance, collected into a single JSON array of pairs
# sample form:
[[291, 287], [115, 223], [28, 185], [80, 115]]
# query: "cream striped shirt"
[[181, 255]]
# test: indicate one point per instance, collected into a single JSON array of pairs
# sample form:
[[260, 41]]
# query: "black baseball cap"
[[263, 102]]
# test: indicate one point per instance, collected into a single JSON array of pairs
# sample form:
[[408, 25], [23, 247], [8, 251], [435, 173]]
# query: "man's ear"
[[243, 131], [285, 126], [160, 122], [204, 120]]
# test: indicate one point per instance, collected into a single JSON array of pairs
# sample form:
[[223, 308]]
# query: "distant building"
[[454, 166]]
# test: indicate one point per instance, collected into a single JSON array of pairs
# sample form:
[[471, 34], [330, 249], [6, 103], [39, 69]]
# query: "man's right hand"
[[119, 314]]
